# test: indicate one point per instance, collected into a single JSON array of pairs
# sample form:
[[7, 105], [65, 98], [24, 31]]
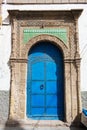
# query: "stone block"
[[48, 1], [57, 1], [41, 1]]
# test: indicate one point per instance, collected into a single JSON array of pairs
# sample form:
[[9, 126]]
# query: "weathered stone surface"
[[4, 106], [84, 99]]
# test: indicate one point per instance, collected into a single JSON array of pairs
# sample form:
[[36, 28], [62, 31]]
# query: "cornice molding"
[[47, 2]]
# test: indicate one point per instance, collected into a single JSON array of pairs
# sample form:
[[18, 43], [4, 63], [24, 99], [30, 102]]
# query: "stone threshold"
[[36, 123]]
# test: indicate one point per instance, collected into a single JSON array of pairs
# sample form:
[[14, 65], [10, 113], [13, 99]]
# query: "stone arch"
[[52, 39], [58, 43]]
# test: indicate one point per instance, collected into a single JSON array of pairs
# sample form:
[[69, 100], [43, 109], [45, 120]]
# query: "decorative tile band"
[[31, 33]]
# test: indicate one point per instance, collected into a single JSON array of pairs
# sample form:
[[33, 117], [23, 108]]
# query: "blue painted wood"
[[45, 82]]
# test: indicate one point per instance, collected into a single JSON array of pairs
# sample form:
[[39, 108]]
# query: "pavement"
[[41, 128], [40, 125]]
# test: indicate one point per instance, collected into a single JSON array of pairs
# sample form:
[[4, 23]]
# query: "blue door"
[[45, 83]]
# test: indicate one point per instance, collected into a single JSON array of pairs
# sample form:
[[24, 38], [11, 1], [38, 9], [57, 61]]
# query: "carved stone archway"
[[69, 47]]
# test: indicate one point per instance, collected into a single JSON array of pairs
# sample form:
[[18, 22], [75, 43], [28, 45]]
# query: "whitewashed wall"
[[83, 48], [5, 49], [5, 40]]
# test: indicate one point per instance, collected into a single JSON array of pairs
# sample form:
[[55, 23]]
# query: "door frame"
[[58, 19], [70, 66]]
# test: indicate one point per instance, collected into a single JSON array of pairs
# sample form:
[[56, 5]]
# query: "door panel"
[[37, 87], [51, 101], [51, 71], [37, 112], [51, 87], [37, 101], [51, 111], [37, 71]]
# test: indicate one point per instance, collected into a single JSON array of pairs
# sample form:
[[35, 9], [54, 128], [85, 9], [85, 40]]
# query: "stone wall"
[[84, 99], [4, 106]]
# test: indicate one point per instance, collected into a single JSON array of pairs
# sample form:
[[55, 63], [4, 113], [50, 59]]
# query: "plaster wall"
[[5, 49]]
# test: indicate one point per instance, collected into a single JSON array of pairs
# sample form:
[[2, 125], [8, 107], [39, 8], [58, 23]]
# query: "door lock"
[[41, 86]]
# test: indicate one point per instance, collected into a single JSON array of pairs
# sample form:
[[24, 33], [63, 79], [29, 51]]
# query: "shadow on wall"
[[77, 125], [13, 125], [16, 125]]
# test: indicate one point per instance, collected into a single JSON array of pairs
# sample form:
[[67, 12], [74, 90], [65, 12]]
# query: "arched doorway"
[[45, 82], [23, 42]]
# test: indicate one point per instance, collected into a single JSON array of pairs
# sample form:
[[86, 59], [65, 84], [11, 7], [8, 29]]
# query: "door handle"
[[41, 87]]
